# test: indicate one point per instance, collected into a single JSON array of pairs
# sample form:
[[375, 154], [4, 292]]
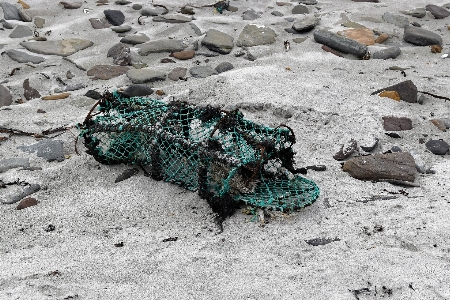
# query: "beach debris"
[[27, 202], [332, 51], [56, 96], [390, 94], [438, 147], [436, 48], [170, 239], [321, 241], [340, 43], [346, 150], [392, 123], [50, 228], [119, 244], [287, 45]]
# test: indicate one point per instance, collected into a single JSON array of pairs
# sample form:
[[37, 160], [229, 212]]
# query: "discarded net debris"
[[219, 154]]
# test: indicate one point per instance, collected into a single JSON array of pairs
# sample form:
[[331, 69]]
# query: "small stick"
[[435, 96], [331, 50], [13, 71]]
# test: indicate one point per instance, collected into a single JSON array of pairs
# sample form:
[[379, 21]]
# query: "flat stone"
[[158, 46], [416, 12], [136, 6], [391, 52], [421, 37], [300, 9], [39, 22], [437, 11], [27, 202], [308, 2], [340, 43], [372, 1], [30, 189], [397, 20], [396, 124], [106, 72], [99, 23], [48, 149], [7, 25], [71, 5], [121, 54], [363, 35], [154, 11], [10, 12], [135, 39], [305, 24], [255, 35], [58, 47], [183, 55], [407, 91], [23, 57], [172, 19], [438, 147], [24, 15], [29, 92], [115, 17], [121, 29], [218, 41], [382, 38], [223, 67], [5, 96], [70, 87], [277, 13], [137, 90], [21, 31], [351, 24], [12, 163], [299, 40], [250, 15], [279, 3], [397, 166], [145, 75], [177, 73], [202, 71], [439, 124], [93, 95]]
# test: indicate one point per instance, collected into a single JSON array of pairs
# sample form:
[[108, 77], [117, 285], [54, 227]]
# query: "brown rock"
[[24, 5], [363, 35], [183, 55], [390, 94], [106, 72], [99, 23], [436, 49], [27, 202], [382, 38], [397, 166], [397, 124], [439, 124], [29, 92], [56, 96]]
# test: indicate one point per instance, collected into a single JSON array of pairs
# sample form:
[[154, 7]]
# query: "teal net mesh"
[[218, 153]]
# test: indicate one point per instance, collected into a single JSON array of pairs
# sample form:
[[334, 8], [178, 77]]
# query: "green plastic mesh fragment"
[[218, 153]]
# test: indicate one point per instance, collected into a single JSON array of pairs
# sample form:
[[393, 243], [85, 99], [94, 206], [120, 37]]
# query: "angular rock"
[[158, 46], [416, 12], [115, 17], [121, 29], [397, 20], [397, 166], [135, 39], [363, 35], [218, 41], [340, 43], [250, 15], [177, 73], [391, 52], [59, 47], [437, 11], [21, 31], [39, 22], [99, 23], [27, 202], [137, 90], [305, 24], [390, 94], [300, 9], [121, 54], [407, 91], [255, 35], [421, 37], [106, 72], [50, 150], [145, 75], [12, 163], [351, 24], [202, 71], [223, 67], [438, 147], [172, 19], [183, 55], [93, 95], [23, 57], [29, 92], [71, 5], [396, 124], [5, 96], [10, 12], [154, 11]]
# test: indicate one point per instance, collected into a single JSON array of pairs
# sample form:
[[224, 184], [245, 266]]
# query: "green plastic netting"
[[218, 153]]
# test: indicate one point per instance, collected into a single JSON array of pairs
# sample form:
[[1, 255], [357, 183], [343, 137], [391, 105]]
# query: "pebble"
[[177, 73], [135, 39], [438, 147], [382, 38], [202, 71], [421, 37], [7, 25], [21, 31], [277, 13], [446, 122], [439, 124], [93, 95], [218, 41], [391, 52], [145, 75], [48, 149], [27, 202], [256, 35], [56, 96], [154, 11], [5, 96], [183, 55], [167, 60], [158, 46], [305, 24], [340, 43], [172, 19], [308, 2], [283, 3], [121, 54], [70, 87], [137, 90], [32, 188], [396, 124], [397, 166], [39, 22], [121, 29], [106, 72], [24, 15], [250, 15], [58, 47], [416, 12], [362, 35], [223, 67], [12, 163], [437, 11], [136, 6], [397, 20], [115, 17], [71, 5], [10, 12], [407, 91], [99, 23], [346, 150], [300, 9], [23, 57], [29, 92]]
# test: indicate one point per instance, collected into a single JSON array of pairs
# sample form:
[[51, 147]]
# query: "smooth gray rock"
[[32, 188], [172, 19], [23, 57], [177, 73], [39, 22], [12, 163], [115, 17], [308, 2], [50, 150], [437, 11], [10, 12], [58, 47], [407, 91], [391, 52], [99, 23], [420, 164], [340, 43], [21, 31], [196, 29], [397, 20], [137, 90], [202, 71], [70, 87], [5, 96], [306, 23], [421, 37], [223, 67], [438, 147], [121, 54], [416, 12], [164, 45], [250, 15], [218, 41], [300, 9], [145, 75], [255, 35], [135, 39], [121, 29], [153, 11]]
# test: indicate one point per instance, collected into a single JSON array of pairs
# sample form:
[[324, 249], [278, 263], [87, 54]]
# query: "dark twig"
[[13, 71], [435, 96]]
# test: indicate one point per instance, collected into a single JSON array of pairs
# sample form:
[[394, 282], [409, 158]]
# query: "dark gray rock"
[[397, 20], [305, 24], [121, 54], [137, 90], [421, 37], [106, 72], [30, 189], [21, 31], [23, 57], [5, 96], [416, 12], [177, 73], [12, 163], [93, 95], [164, 45], [172, 19], [28, 91], [397, 166], [437, 11], [438, 147], [50, 150], [70, 87], [340, 43], [10, 12], [407, 91], [250, 15], [135, 39], [136, 6], [202, 71], [58, 47], [154, 11], [115, 17], [300, 9], [223, 67], [218, 41], [145, 75], [255, 35], [391, 52]]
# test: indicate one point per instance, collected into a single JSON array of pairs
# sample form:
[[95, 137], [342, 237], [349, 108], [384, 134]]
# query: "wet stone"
[[437, 11], [29, 92], [50, 150], [121, 54], [5, 96], [135, 39], [106, 72], [177, 73], [21, 31], [391, 52], [158, 46], [223, 67], [396, 124], [10, 12], [397, 20], [23, 57], [255, 35], [115, 17], [250, 15], [137, 90], [300, 9], [99, 23], [218, 41], [12, 163], [438, 147], [202, 71], [145, 75], [305, 24], [421, 37]]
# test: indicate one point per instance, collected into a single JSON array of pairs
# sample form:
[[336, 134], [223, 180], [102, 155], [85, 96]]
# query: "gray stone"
[[137, 90], [58, 47], [177, 73], [446, 122], [39, 22], [299, 40], [50, 150], [106, 72], [5, 96], [250, 15], [115, 17], [23, 57], [164, 45], [172, 19], [391, 52], [196, 29], [121, 29], [136, 6], [99, 23], [407, 91], [154, 11], [10, 12], [277, 14], [438, 147], [145, 75], [24, 15], [421, 37], [223, 67], [135, 39], [21, 31], [255, 35], [7, 25], [30, 189], [437, 11], [12, 163], [416, 12], [340, 43], [308, 2], [28, 91], [397, 166], [202, 71], [218, 41], [70, 87], [397, 20], [71, 5], [300, 9], [306, 23], [121, 54]]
